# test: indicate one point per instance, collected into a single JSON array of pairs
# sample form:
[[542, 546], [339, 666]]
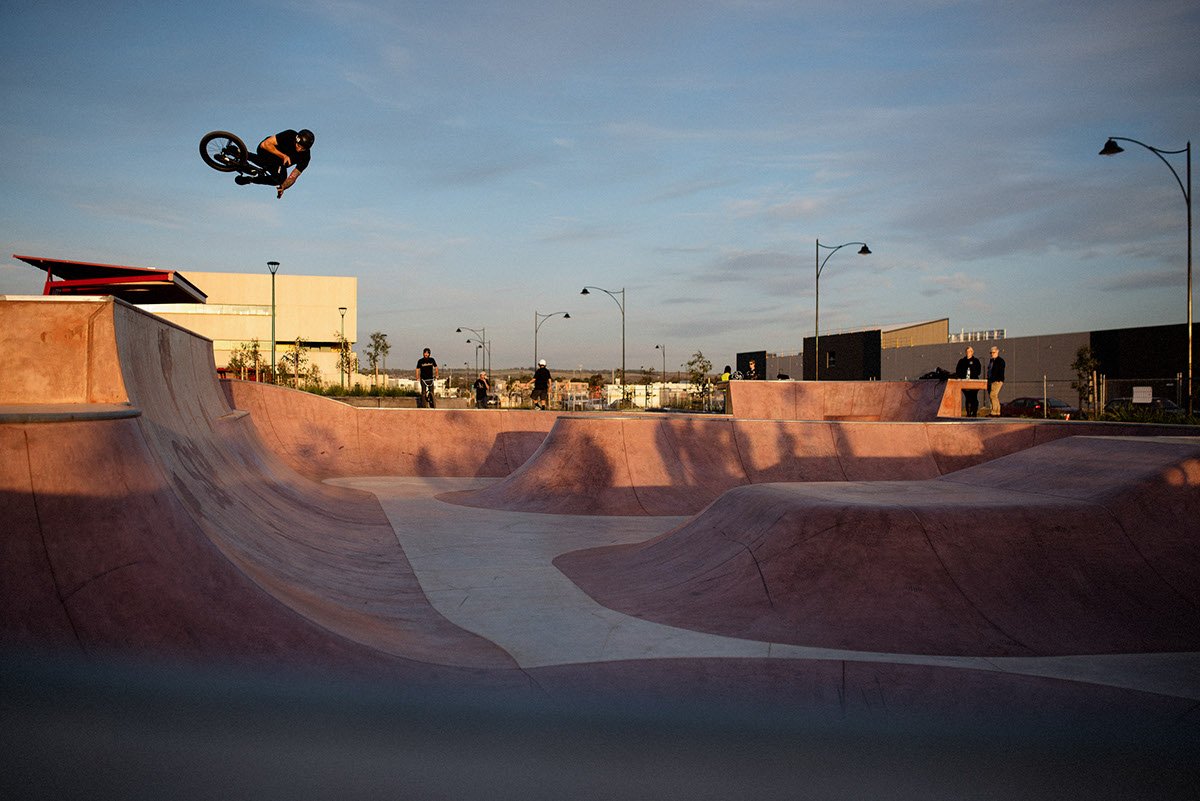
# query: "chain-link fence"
[[1091, 403], [1112, 389], [1058, 388]]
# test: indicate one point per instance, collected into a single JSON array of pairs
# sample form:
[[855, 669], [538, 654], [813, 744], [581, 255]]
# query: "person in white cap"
[[483, 388], [541, 386]]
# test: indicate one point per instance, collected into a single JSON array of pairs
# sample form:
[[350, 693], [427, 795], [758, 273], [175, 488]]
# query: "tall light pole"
[[620, 305], [863, 251], [486, 346], [663, 348], [272, 266], [481, 334], [342, 362], [1111, 148], [538, 319]]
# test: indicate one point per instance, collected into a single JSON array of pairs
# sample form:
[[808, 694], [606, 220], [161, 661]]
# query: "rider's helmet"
[[306, 138]]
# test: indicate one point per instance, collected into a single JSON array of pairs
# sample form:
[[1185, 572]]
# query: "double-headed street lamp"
[[1111, 148], [482, 340], [272, 266], [620, 305], [538, 319], [863, 251]]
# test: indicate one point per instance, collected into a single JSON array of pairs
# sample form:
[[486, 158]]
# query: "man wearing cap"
[[483, 388], [541, 386]]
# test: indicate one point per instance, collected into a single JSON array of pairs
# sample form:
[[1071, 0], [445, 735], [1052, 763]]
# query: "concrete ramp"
[[152, 540], [143, 515], [848, 400], [678, 464], [321, 438], [1084, 545]]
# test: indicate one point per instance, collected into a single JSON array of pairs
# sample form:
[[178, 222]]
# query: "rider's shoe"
[[242, 180]]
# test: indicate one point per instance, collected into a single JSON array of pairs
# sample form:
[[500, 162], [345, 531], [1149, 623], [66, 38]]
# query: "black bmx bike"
[[426, 400], [226, 152]]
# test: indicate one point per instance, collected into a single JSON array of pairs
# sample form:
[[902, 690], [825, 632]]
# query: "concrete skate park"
[[834, 590]]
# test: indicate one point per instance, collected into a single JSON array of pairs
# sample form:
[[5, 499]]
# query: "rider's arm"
[[272, 146], [287, 182]]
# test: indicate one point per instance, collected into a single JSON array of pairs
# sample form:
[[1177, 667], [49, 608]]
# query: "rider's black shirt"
[[426, 364], [285, 141]]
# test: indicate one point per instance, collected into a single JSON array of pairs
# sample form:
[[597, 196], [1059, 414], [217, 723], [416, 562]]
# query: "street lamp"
[[486, 346], [342, 362], [663, 348], [620, 305], [1111, 148], [538, 319], [863, 251], [482, 335], [272, 266]]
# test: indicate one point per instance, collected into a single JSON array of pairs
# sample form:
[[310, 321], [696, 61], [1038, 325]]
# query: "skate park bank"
[[710, 606]]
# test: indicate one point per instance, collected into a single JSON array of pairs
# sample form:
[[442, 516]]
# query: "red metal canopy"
[[137, 285]]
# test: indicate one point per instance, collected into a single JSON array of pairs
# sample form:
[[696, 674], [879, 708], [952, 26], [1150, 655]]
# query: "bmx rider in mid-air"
[[276, 153]]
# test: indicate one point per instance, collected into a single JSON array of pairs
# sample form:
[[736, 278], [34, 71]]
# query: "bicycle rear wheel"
[[223, 151]]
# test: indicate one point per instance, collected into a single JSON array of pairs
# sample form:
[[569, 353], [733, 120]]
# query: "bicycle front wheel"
[[223, 151]]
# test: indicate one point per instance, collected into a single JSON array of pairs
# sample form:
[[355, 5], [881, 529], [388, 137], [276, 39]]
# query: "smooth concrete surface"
[[185, 613], [493, 573], [678, 464], [175, 533], [848, 400], [323, 438], [1084, 545]]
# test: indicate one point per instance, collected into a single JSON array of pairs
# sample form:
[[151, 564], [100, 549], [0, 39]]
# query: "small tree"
[[295, 363], [698, 370], [244, 357], [1085, 366], [377, 352], [347, 361]]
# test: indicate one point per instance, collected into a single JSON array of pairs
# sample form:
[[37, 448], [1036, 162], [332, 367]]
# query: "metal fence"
[[1106, 389]]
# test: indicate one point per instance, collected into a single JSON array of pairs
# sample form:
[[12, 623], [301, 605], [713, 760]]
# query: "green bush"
[[1133, 414], [359, 391]]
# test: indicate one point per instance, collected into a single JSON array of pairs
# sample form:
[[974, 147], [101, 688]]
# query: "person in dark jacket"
[[969, 367], [483, 388], [995, 379], [541, 386]]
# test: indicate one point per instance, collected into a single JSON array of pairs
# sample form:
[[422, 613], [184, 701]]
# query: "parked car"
[[1032, 407], [1164, 406]]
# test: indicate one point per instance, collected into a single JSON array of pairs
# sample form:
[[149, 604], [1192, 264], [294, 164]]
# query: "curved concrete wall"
[[322, 438], [848, 400]]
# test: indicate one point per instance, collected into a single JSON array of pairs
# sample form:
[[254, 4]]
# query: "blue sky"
[[477, 162]]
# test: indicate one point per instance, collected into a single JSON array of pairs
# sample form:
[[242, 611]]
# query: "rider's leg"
[[274, 172]]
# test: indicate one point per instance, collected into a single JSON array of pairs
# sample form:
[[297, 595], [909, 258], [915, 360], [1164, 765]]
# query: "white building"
[[307, 308]]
